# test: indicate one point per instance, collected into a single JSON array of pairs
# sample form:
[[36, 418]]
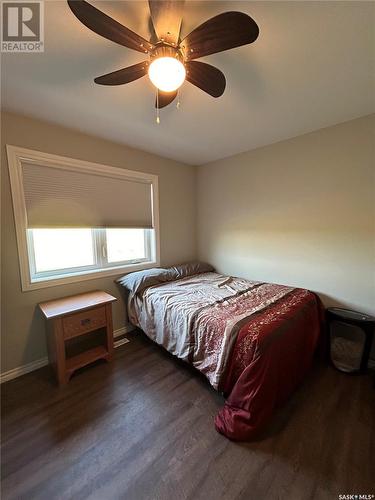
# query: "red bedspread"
[[253, 341], [272, 354]]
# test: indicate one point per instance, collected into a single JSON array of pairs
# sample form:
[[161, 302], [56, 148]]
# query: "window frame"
[[16, 156]]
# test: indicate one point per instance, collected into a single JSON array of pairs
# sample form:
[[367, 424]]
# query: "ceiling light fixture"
[[167, 73], [170, 58]]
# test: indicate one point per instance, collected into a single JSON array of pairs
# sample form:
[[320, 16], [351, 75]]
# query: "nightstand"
[[79, 331]]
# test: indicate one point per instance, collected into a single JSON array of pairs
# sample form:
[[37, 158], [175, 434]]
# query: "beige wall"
[[23, 338], [299, 212]]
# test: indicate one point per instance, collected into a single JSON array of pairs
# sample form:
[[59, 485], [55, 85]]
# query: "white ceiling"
[[312, 66]]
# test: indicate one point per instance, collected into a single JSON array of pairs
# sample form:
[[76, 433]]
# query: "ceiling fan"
[[171, 60]]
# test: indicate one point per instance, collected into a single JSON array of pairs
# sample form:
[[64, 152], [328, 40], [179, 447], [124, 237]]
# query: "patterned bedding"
[[253, 341]]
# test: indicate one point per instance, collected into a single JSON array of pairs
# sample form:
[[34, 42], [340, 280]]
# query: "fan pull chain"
[[178, 104], [157, 108]]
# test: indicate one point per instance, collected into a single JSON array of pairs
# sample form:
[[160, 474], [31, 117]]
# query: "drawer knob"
[[85, 321]]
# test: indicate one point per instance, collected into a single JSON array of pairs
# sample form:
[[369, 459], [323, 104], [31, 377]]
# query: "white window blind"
[[57, 197]]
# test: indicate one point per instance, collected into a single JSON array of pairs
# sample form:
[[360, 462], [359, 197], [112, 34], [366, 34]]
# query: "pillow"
[[191, 268], [138, 281]]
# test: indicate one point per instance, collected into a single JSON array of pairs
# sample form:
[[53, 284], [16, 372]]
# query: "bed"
[[254, 341]]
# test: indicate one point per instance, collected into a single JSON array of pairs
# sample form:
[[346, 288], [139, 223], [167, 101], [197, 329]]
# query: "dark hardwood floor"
[[142, 428]]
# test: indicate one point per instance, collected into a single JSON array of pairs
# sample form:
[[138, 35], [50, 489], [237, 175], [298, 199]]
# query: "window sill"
[[37, 284]]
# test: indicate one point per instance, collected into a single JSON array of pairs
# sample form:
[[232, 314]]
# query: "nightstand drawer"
[[77, 324]]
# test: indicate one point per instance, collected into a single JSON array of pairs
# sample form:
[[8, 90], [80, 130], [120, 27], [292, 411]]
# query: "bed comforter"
[[254, 341]]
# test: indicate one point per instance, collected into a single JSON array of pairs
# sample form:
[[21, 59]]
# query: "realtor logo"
[[22, 27]]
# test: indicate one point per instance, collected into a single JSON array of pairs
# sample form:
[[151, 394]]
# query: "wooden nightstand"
[[70, 320]]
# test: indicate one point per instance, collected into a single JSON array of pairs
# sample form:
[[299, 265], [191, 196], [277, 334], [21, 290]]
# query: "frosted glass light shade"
[[167, 73]]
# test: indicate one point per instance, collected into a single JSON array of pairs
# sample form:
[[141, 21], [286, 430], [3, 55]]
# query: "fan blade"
[[125, 75], [164, 98], [222, 32], [166, 17], [107, 27], [206, 77]]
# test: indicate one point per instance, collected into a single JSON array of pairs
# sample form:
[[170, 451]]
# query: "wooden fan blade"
[[166, 17], [222, 32], [107, 27], [125, 75], [164, 98], [206, 77]]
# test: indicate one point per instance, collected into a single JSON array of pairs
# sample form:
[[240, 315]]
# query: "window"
[[61, 252], [55, 250], [126, 245], [57, 199]]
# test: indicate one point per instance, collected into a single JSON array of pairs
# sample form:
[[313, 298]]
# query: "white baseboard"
[[30, 367], [123, 331], [21, 370]]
